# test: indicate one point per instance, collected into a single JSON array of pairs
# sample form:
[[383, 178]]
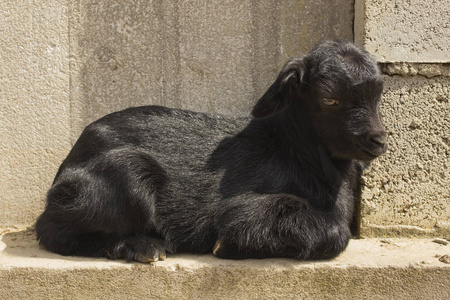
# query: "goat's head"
[[339, 87]]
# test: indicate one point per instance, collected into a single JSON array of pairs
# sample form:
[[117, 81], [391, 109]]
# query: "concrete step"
[[397, 268]]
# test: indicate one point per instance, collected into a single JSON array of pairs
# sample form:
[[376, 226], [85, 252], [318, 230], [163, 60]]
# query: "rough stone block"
[[404, 30], [410, 184]]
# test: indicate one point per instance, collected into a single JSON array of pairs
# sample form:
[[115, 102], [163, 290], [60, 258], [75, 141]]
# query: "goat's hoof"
[[226, 250], [152, 255], [141, 248], [221, 249], [216, 247]]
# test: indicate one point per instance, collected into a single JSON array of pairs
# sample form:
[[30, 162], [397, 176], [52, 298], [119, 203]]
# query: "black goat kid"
[[149, 180]]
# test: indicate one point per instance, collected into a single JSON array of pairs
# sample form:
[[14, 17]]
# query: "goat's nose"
[[379, 139]]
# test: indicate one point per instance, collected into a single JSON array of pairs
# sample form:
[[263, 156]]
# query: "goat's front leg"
[[260, 226]]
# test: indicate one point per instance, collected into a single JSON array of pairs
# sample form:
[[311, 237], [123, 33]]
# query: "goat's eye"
[[330, 102]]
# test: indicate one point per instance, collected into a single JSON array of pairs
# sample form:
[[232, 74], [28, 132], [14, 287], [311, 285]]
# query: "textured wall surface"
[[410, 184], [406, 191], [66, 63], [211, 56], [404, 30], [34, 103]]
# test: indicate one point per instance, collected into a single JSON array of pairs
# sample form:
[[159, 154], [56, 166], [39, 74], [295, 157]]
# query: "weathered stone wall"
[[211, 56], [406, 192], [66, 63], [34, 103], [404, 30], [410, 184]]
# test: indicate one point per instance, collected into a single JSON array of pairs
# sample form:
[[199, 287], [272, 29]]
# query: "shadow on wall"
[[211, 56]]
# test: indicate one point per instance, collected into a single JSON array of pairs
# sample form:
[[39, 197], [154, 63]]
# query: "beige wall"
[[410, 184], [406, 192], [211, 56], [34, 103], [404, 30], [66, 63]]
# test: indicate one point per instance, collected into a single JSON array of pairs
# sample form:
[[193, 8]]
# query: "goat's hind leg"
[[69, 240], [68, 229], [105, 212]]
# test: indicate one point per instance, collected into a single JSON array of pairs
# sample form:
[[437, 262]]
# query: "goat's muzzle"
[[375, 144]]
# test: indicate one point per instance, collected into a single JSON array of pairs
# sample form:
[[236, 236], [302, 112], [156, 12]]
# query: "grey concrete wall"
[[66, 63], [410, 184], [406, 191], [34, 103], [211, 56], [404, 30]]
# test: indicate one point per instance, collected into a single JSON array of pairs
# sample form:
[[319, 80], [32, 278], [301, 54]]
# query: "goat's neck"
[[296, 125]]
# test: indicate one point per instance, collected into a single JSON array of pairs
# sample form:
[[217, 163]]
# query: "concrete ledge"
[[369, 268]]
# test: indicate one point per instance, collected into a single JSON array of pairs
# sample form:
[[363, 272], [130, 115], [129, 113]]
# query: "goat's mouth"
[[358, 148], [370, 146], [361, 153], [372, 153]]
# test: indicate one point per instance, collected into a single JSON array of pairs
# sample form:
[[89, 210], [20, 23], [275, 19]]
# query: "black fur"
[[149, 180]]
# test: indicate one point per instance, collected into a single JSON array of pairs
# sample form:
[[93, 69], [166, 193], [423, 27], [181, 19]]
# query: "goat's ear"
[[278, 94]]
